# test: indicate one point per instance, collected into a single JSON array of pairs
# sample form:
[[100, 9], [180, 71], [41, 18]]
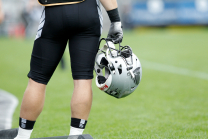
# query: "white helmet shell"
[[123, 71]]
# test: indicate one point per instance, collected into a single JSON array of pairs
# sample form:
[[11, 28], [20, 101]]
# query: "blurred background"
[[170, 37], [21, 17]]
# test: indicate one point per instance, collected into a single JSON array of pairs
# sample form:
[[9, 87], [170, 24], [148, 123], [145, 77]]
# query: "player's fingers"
[[110, 39], [118, 39]]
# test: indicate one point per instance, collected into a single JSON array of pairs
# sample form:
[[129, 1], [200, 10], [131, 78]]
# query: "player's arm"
[[109, 4], [115, 33]]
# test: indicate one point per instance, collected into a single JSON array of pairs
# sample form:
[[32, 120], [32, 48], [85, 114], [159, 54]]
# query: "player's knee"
[[39, 78], [33, 85], [84, 84]]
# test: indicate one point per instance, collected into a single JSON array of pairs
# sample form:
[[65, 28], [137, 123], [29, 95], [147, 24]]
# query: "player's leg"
[[82, 69], [33, 100], [45, 58], [81, 99], [48, 49], [83, 49], [80, 105], [31, 107]]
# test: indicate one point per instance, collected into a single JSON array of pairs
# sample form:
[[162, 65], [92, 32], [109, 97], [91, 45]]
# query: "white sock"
[[76, 131], [23, 134]]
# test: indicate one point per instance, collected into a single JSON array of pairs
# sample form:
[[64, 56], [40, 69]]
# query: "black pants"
[[80, 25]]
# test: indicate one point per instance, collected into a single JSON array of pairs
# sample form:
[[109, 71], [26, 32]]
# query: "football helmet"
[[119, 72]]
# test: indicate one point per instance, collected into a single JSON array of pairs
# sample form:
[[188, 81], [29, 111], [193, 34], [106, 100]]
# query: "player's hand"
[[115, 33]]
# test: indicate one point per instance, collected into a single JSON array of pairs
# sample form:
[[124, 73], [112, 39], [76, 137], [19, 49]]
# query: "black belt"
[[58, 2]]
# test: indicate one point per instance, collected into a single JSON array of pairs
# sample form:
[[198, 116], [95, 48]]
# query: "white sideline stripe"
[[7, 114], [174, 70]]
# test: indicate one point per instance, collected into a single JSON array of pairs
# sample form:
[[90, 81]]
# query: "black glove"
[[115, 33]]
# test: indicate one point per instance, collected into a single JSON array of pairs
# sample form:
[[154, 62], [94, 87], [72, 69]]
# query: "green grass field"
[[165, 105]]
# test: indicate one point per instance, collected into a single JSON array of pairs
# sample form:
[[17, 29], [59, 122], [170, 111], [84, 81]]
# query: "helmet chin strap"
[[107, 48], [109, 62], [107, 57], [112, 53]]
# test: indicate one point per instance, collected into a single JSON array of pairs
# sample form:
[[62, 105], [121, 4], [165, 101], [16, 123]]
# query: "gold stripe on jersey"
[[63, 3]]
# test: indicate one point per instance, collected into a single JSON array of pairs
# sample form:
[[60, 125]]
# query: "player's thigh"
[[45, 57], [83, 50]]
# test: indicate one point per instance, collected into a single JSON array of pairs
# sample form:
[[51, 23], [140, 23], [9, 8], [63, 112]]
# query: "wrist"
[[114, 15]]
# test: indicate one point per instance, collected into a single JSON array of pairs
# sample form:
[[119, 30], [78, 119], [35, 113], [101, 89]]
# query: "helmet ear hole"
[[104, 62], [101, 79], [119, 71]]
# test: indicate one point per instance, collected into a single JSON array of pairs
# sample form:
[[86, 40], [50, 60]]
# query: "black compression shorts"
[[79, 25]]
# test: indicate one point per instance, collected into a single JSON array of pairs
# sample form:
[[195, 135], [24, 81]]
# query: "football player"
[[79, 24]]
